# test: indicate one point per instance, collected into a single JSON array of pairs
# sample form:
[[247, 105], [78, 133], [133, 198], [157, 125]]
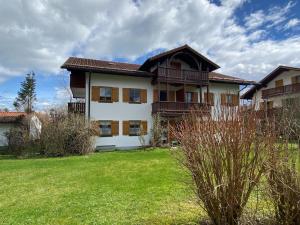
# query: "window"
[[134, 128], [296, 80], [105, 128], [135, 95], [176, 65], [163, 96], [229, 99], [189, 97], [105, 94], [278, 83]]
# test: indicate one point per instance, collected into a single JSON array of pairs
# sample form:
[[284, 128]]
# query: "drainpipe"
[[89, 97]]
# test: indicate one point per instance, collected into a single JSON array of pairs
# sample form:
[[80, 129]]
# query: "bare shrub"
[[67, 135], [226, 157], [62, 134], [284, 184], [156, 131]]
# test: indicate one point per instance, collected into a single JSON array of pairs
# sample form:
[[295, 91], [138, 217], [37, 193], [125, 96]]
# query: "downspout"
[[89, 98]]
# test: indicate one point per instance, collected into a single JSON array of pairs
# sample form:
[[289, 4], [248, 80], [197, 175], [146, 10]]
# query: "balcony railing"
[[175, 108], [283, 90], [76, 107], [182, 76]]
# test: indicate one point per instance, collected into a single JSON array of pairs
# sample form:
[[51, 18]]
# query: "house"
[[123, 97], [280, 87], [7, 121]]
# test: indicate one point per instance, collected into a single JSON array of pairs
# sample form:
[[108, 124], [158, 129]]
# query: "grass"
[[132, 187]]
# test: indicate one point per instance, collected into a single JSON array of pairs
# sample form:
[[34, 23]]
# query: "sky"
[[247, 38]]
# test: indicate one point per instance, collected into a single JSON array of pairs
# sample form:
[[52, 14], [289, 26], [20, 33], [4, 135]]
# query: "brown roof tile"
[[218, 77], [94, 63], [128, 68]]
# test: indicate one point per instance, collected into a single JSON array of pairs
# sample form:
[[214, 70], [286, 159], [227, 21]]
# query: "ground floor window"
[[134, 128], [105, 128], [189, 97]]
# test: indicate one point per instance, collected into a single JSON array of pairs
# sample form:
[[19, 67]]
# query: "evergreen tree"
[[26, 96]]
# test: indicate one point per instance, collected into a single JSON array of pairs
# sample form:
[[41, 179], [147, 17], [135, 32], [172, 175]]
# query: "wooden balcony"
[[178, 108], [76, 107], [284, 90], [182, 76]]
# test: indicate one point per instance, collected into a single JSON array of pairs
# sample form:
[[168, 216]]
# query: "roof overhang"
[[185, 48]]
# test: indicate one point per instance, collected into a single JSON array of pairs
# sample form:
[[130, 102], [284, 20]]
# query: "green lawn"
[[132, 187]]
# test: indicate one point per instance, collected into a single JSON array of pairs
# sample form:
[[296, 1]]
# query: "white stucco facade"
[[122, 111], [277, 100]]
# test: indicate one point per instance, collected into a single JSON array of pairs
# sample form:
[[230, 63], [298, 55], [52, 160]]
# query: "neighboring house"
[[7, 121], [123, 97], [280, 87]]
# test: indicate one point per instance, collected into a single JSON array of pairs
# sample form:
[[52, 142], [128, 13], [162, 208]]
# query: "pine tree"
[[26, 96]]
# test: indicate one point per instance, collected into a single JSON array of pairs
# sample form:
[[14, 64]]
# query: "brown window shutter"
[[278, 83], [115, 128], [126, 94], [294, 80], [172, 96], [155, 95], [195, 97], [211, 99], [144, 127], [96, 127], [115, 94], [223, 99], [125, 127], [143, 95], [95, 93], [236, 99]]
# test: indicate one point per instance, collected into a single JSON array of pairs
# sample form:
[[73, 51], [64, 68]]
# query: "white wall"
[[122, 111], [277, 101]]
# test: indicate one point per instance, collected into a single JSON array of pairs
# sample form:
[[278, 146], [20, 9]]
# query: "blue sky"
[[247, 38]]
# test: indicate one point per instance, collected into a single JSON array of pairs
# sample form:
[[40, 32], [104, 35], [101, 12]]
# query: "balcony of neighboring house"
[[281, 90], [178, 75], [76, 107]]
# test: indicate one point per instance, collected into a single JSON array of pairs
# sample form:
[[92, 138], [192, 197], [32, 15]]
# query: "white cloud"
[[274, 16], [40, 35], [292, 23]]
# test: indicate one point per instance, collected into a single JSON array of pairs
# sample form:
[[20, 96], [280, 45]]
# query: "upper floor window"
[[105, 94], [163, 96], [188, 97], [278, 83], [176, 65], [296, 80], [135, 95]]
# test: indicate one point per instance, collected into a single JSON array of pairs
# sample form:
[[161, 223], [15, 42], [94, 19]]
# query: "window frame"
[[110, 127], [136, 123], [105, 98], [135, 91], [229, 99], [188, 94]]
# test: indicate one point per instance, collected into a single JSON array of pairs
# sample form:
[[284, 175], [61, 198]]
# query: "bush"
[[284, 186], [226, 158], [66, 134]]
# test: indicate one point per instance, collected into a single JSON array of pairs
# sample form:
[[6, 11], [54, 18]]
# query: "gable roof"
[[280, 69], [152, 60]]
